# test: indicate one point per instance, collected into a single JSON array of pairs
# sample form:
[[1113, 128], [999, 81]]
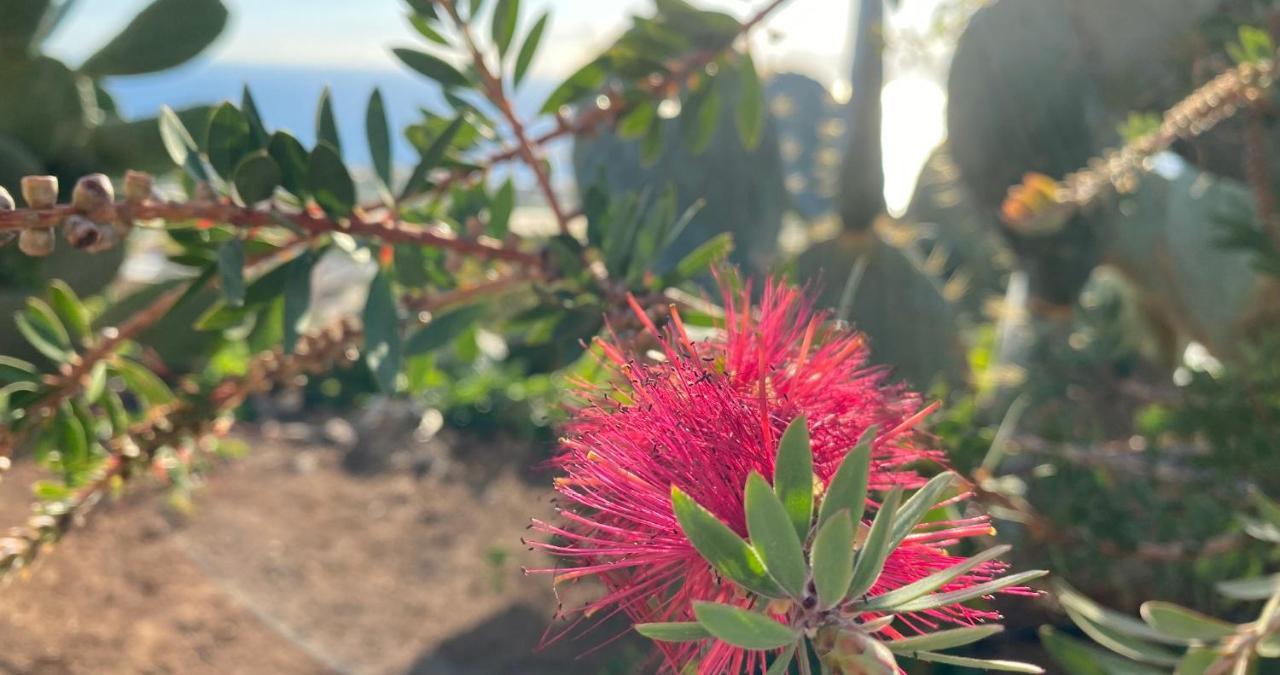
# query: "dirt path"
[[289, 565]]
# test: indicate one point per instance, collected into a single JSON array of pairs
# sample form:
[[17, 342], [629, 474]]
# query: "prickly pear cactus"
[[65, 123]]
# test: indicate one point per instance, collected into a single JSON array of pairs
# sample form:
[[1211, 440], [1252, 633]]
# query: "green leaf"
[[500, 210], [916, 589], [980, 664], [97, 384], [378, 132], [179, 144], [326, 123], [965, 594], [1197, 661], [635, 124], [1079, 658], [382, 348], [876, 548], [165, 34], [423, 25], [702, 115], [1081, 606], [1257, 588], [297, 298], [782, 663], [143, 382], [505, 16], [773, 536], [529, 49], [793, 475], [750, 110], [943, 639], [915, 509], [676, 631], [443, 329], [743, 628], [17, 370], [256, 178], [432, 66], [330, 183], [231, 271], [1180, 622], [586, 80], [432, 157], [39, 324], [848, 487], [700, 259], [70, 310], [72, 441], [722, 547], [291, 159], [228, 139], [257, 130], [833, 569]]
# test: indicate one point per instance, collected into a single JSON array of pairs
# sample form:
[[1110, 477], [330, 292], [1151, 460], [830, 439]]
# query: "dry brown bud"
[[40, 192], [138, 186], [36, 242], [92, 194]]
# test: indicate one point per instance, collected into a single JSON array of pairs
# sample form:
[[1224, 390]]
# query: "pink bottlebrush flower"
[[702, 419]]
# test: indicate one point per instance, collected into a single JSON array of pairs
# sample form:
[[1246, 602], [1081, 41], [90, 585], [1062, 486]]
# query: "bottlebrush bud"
[[853, 652], [138, 186], [36, 242], [40, 192], [83, 233], [92, 193]]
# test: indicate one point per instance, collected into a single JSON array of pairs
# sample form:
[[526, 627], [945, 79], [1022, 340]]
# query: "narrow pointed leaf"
[[743, 628], [326, 123], [16, 370], [722, 547], [257, 130], [970, 593], [432, 157], [1258, 588], [1181, 622], [980, 664], [848, 487], [329, 182], [876, 549], [1080, 658], [920, 503], [228, 139], [505, 15], [500, 210], [676, 631], [1122, 643], [782, 663], [773, 536], [179, 144], [144, 383], [382, 348], [70, 310], [528, 50], [291, 158], [750, 109], [1075, 602], [231, 271], [297, 298], [943, 639], [431, 66], [793, 475], [378, 133], [933, 582], [833, 559], [39, 324]]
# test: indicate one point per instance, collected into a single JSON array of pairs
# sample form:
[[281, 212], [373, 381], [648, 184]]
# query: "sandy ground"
[[291, 565]]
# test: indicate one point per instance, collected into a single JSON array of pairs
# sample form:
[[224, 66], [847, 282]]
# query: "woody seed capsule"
[[92, 193], [81, 232], [6, 204], [40, 192], [138, 186], [37, 242]]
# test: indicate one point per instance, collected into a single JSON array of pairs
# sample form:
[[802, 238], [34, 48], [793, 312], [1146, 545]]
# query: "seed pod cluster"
[[39, 192]]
